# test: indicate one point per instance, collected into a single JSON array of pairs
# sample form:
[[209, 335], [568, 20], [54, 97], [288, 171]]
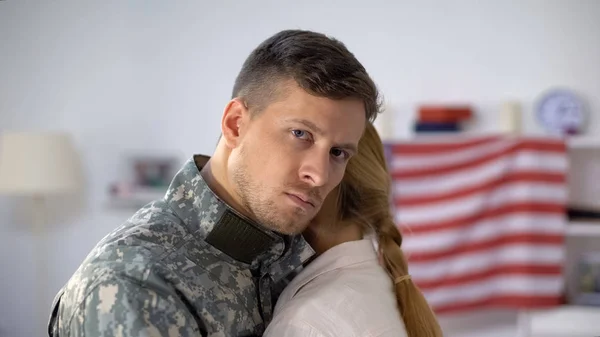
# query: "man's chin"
[[292, 229]]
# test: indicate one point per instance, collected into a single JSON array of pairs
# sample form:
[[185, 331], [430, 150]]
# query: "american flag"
[[483, 219]]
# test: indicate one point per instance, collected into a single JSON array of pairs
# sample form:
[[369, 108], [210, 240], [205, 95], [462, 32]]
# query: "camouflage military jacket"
[[187, 265]]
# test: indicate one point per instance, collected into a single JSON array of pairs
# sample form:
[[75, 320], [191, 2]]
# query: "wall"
[[127, 76]]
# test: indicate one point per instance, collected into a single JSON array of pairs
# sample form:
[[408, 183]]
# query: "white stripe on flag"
[[477, 175], [459, 207], [464, 264], [506, 285], [483, 230], [415, 161]]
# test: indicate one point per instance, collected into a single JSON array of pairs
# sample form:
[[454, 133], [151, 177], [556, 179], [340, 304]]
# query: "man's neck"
[[214, 173]]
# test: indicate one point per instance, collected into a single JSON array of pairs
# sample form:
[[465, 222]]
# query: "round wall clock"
[[561, 112]]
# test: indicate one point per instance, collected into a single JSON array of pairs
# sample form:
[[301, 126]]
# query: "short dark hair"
[[319, 64]]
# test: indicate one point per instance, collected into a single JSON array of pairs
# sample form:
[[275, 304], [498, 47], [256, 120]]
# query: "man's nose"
[[315, 169]]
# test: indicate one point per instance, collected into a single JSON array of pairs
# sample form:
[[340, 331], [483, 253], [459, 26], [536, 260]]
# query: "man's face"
[[291, 155]]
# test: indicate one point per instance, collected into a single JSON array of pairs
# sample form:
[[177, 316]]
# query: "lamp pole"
[[41, 264]]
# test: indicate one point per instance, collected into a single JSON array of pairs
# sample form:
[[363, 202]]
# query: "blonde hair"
[[364, 198]]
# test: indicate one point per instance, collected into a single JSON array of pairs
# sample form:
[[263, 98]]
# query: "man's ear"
[[235, 117]]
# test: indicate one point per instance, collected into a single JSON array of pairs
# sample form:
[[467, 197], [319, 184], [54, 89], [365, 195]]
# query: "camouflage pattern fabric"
[[186, 265]]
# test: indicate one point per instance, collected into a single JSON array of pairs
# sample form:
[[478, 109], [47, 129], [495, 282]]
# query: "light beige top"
[[343, 292]]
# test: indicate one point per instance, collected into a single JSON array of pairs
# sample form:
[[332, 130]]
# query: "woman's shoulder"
[[331, 310], [359, 302]]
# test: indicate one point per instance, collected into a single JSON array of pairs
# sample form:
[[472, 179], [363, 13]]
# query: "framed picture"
[[153, 172]]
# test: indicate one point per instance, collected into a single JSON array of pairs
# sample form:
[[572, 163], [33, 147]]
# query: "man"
[[204, 260]]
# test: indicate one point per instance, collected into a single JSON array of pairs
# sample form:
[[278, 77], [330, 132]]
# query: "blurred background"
[[125, 91]]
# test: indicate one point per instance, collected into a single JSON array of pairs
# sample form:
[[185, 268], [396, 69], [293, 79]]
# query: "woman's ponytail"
[[419, 319]]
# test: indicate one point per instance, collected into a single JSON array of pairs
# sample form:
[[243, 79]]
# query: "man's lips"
[[303, 199]]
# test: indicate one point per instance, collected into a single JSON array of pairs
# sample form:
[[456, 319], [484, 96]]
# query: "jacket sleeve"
[[120, 307]]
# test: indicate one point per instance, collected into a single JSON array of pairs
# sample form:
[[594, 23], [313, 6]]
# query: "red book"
[[444, 114]]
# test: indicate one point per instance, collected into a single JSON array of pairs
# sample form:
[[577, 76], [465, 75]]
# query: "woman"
[[345, 291]]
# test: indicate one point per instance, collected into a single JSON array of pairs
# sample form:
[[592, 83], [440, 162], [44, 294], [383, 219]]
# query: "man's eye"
[[300, 134], [339, 153]]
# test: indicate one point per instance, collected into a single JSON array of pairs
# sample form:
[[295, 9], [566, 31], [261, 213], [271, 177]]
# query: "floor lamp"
[[39, 165]]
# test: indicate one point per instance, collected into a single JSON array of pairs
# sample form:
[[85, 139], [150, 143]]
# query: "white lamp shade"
[[38, 163]]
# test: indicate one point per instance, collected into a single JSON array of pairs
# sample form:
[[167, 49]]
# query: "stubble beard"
[[254, 197]]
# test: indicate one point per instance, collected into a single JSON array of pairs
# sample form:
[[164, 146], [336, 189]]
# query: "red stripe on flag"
[[502, 301], [532, 238], [480, 275], [437, 147], [523, 176], [483, 214], [437, 170]]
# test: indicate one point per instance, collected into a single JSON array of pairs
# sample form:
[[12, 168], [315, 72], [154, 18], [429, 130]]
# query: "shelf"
[[567, 320], [583, 228], [583, 142]]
